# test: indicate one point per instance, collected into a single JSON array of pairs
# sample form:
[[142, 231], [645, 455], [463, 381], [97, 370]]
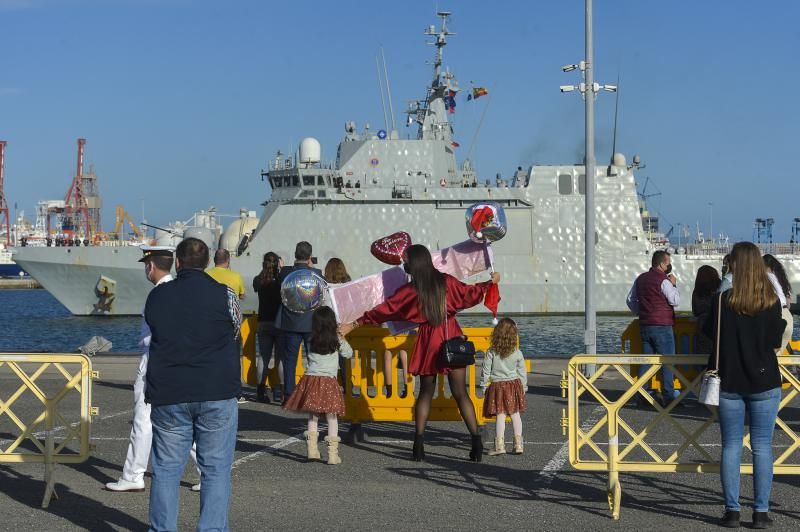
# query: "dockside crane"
[[76, 209], [5, 220]]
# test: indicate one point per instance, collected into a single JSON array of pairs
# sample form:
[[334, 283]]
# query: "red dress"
[[403, 305]]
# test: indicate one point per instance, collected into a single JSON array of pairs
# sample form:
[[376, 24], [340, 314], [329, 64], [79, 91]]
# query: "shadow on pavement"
[[90, 514]]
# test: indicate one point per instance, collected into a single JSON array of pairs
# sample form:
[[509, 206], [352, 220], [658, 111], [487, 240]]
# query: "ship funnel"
[[619, 160]]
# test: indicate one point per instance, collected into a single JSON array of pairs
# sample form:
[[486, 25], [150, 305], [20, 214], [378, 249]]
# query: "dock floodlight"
[[567, 88], [569, 68]]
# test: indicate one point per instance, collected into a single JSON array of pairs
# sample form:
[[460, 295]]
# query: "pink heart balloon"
[[390, 249]]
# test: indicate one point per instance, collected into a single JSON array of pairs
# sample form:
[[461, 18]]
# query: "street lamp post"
[[589, 89], [711, 222]]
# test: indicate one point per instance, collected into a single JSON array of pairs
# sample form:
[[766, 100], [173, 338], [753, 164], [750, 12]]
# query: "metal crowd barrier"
[[685, 331], [52, 401], [361, 378], [608, 433]]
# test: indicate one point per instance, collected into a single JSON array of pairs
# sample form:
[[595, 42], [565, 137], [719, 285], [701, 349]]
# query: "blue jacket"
[[194, 349], [286, 320]]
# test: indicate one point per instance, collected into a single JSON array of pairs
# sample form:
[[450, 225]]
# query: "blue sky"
[[182, 102]]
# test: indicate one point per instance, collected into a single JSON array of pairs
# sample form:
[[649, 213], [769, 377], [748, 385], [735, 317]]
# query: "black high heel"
[[476, 454], [418, 452]]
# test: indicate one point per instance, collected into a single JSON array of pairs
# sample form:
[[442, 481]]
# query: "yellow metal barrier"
[[361, 376], [685, 331], [41, 374], [630, 434]]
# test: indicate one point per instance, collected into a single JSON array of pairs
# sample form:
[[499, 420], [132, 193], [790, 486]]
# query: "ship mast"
[[432, 113]]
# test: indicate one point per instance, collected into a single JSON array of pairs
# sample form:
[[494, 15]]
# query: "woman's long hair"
[[706, 282], [269, 267], [776, 267], [429, 284], [324, 337], [752, 292], [335, 272], [505, 337]]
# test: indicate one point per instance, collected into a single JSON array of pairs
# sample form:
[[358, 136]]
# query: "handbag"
[[710, 384], [456, 352]]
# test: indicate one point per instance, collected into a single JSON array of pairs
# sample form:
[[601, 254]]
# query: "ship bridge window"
[[565, 184], [582, 184], [306, 193], [287, 181], [321, 194], [320, 181], [308, 180], [295, 181], [275, 183]]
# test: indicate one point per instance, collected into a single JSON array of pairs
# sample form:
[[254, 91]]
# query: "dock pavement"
[[377, 486]]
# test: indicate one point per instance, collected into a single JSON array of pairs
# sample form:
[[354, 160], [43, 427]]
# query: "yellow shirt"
[[229, 278]]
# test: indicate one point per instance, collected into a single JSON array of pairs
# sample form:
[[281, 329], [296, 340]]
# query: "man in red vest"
[[653, 298]]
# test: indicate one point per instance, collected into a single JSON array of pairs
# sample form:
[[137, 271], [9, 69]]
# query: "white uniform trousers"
[[142, 431]]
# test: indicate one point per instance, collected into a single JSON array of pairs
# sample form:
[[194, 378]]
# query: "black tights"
[[457, 379]]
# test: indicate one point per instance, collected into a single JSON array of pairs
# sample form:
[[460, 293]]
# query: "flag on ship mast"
[[477, 92]]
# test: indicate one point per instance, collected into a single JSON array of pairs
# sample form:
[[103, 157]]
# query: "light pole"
[[711, 222], [588, 89]]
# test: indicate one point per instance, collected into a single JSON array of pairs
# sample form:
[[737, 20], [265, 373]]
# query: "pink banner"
[[352, 299]]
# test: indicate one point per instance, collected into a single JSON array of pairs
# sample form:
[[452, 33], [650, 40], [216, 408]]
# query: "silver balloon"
[[303, 290], [486, 222]]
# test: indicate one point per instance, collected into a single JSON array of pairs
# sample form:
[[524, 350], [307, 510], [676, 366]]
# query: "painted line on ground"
[[279, 445], [556, 463]]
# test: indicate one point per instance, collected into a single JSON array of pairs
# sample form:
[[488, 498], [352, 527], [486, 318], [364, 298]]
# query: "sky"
[[182, 102]]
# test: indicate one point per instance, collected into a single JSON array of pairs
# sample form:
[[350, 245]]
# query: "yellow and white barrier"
[[633, 447], [361, 376], [51, 442]]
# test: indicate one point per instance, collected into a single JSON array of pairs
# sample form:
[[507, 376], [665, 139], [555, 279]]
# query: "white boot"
[[333, 450], [311, 445], [518, 444], [499, 447]]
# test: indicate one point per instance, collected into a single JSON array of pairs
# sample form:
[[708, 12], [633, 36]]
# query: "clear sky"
[[182, 102]]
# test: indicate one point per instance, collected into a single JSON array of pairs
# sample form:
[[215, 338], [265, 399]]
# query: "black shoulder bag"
[[456, 352]]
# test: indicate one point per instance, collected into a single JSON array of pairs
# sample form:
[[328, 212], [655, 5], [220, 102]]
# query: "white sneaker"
[[196, 487], [125, 485]]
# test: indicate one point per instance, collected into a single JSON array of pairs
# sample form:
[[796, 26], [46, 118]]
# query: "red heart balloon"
[[390, 249]]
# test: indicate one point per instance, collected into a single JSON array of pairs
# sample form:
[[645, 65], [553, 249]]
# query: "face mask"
[[406, 268], [147, 270], [669, 269]]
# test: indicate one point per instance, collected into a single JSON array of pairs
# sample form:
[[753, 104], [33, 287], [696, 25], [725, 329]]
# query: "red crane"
[[4, 217], [76, 208]]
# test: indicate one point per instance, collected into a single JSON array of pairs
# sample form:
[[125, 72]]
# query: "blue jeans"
[[268, 337], [763, 409], [291, 348], [659, 339], [212, 424]]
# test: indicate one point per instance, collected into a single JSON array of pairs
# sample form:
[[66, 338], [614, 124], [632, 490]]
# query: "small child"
[[504, 365], [318, 391]]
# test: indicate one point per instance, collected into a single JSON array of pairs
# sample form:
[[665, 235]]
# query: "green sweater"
[[328, 365], [497, 368]]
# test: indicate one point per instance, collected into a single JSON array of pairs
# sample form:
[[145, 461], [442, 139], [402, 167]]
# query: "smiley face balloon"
[[486, 222]]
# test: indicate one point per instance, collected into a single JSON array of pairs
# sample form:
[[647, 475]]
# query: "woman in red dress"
[[431, 300]]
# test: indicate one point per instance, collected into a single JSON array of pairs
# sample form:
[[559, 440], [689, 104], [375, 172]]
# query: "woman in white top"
[[779, 280]]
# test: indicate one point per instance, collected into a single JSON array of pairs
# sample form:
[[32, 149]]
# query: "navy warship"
[[380, 183]]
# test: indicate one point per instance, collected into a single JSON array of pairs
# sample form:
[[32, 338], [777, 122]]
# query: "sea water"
[[33, 321]]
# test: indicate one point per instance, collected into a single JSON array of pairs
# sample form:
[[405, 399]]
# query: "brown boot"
[[333, 450], [311, 445], [499, 447], [518, 444]]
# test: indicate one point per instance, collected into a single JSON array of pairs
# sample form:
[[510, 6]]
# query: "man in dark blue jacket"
[[193, 380], [295, 327]]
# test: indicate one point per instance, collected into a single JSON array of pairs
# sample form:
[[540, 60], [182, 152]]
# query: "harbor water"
[[34, 321]]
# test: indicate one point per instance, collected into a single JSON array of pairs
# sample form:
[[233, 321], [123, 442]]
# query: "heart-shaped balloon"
[[390, 249]]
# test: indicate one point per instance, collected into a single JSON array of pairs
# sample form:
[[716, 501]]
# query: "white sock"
[[500, 426], [516, 422], [333, 425], [313, 423]]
